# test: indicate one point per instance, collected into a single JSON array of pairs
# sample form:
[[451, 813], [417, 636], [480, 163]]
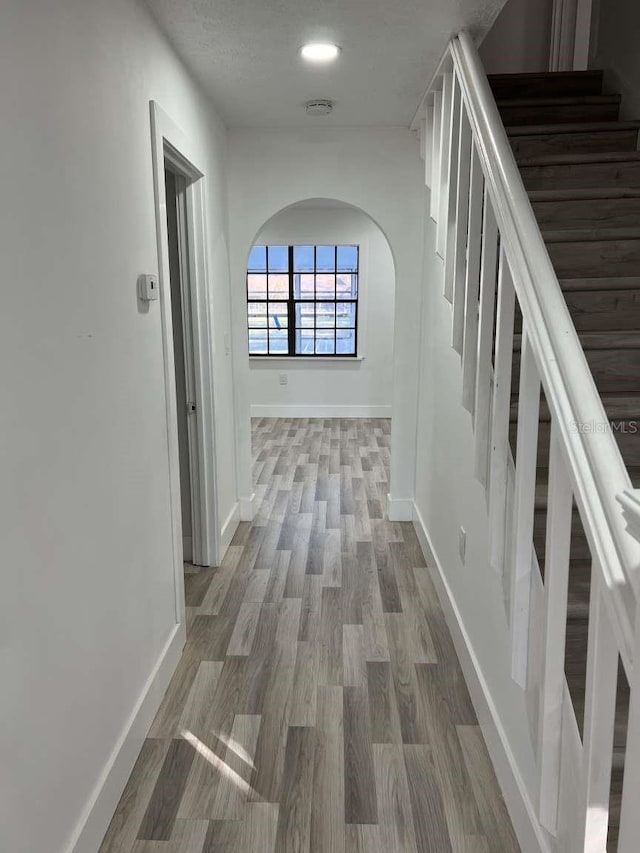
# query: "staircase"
[[581, 168]]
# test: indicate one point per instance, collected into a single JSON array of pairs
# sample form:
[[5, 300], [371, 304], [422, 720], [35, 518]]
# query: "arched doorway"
[[335, 359]]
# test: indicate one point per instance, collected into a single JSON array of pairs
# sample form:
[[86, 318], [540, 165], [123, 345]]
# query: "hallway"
[[319, 704]]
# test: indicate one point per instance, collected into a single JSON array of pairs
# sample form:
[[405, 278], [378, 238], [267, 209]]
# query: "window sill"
[[313, 359]]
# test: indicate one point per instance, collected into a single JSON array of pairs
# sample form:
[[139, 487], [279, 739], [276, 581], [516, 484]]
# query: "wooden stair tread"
[[584, 193], [628, 282], [569, 82], [571, 127], [559, 101], [578, 159], [589, 235], [607, 340], [619, 407], [544, 75]]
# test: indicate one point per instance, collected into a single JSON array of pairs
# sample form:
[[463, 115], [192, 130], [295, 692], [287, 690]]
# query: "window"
[[303, 300]]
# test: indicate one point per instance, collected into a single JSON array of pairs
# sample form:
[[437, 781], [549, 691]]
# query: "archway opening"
[[320, 292]]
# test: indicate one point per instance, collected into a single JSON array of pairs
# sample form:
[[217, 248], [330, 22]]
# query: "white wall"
[[343, 388], [377, 170], [87, 599], [616, 33], [520, 38], [448, 497]]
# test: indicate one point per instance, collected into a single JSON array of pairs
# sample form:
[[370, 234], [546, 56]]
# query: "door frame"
[[183, 236], [171, 147]]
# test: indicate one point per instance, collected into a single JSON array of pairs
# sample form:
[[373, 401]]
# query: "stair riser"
[[595, 258], [538, 145], [604, 310], [579, 213], [600, 310], [556, 86], [582, 175], [579, 545], [555, 114], [627, 434]]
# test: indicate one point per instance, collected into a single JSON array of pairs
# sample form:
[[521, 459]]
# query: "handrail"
[[594, 461]]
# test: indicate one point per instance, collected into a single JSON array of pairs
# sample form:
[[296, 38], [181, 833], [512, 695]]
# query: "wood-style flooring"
[[319, 704]]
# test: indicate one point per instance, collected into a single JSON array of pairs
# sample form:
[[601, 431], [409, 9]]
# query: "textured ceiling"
[[245, 54]]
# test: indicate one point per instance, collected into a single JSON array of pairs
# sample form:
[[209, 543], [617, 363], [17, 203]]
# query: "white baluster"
[[500, 414], [524, 500], [462, 223], [482, 407], [630, 814], [599, 719], [427, 133], [445, 156], [452, 195], [556, 581], [435, 155], [472, 284]]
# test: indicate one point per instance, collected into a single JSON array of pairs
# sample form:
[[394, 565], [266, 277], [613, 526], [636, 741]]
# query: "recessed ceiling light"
[[320, 52]]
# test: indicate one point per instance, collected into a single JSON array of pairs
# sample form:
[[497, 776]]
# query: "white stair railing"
[[496, 268]]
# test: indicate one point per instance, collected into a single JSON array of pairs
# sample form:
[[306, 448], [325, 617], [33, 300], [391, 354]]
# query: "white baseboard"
[[309, 410], [399, 509], [531, 835], [228, 529], [104, 798], [247, 507]]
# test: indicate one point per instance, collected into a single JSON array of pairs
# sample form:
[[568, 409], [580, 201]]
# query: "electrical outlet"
[[284, 379], [462, 544]]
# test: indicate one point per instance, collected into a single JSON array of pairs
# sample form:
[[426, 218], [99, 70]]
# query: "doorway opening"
[[187, 343], [182, 330]]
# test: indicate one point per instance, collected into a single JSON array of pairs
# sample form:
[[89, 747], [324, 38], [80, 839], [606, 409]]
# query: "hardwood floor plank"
[[159, 818], [432, 834], [270, 752], [395, 816], [196, 710], [359, 775], [257, 832], [363, 838], [330, 637], [294, 818], [413, 723], [222, 577], [385, 719], [258, 665], [493, 811], [208, 766], [305, 685], [459, 803], [222, 836], [129, 812], [172, 706], [355, 665], [235, 785], [311, 607], [188, 836], [327, 808], [244, 629], [196, 585]]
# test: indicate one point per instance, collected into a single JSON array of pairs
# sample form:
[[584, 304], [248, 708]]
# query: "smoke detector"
[[319, 107]]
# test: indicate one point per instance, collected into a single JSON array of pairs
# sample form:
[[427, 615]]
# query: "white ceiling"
[[245, 54]]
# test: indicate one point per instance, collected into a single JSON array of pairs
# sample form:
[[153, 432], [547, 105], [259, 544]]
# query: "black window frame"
[[291, 301]]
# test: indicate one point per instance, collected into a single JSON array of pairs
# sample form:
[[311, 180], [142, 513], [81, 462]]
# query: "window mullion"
[[291, 307]]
